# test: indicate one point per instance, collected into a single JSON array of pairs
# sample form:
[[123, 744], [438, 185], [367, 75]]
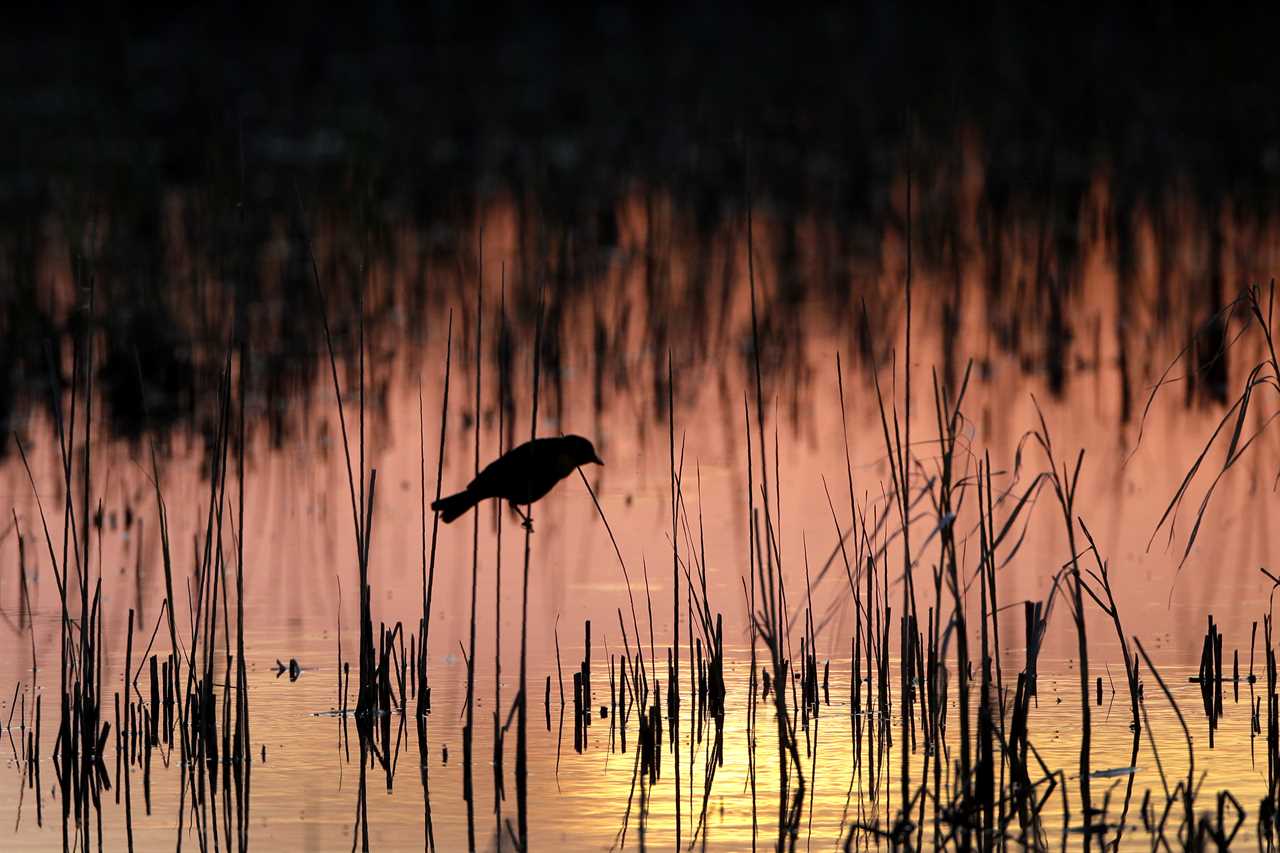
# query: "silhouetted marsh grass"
[[521, 836], [499, 784], [214, 746], [429, 562], [469, 726], [985, 786]]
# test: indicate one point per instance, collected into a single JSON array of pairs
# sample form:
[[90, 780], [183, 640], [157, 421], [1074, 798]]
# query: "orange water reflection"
[[299, 543]]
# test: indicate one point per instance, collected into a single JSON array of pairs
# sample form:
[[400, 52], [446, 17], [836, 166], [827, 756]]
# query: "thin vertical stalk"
[[674, 712], [468, 793], [522, 719], [429, 560]]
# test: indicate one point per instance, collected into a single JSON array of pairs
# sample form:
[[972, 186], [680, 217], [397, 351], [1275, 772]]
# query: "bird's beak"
[[598, 460]]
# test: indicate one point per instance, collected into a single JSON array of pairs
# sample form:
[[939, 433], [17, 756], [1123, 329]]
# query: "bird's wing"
[[496, 478]]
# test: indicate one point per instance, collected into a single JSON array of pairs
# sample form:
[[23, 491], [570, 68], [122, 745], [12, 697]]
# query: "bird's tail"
[[455, 506]]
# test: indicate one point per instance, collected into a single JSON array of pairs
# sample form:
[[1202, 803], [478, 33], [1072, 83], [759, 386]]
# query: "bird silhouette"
[[521, 476]]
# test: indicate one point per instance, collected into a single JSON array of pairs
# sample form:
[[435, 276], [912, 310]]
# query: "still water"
[[649, 344]]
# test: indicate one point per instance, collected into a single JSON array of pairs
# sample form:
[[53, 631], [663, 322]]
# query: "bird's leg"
[[525, 521]]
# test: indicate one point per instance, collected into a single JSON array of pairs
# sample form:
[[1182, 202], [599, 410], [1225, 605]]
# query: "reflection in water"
[[876, 348], [610, 146], [842, 657], [1100, 296], [922, 730], [586, 803]]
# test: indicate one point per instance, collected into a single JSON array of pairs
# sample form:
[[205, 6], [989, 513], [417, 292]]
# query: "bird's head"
[[581, 451]]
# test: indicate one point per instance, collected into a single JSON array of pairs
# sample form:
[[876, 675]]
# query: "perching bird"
[[522, 475]]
